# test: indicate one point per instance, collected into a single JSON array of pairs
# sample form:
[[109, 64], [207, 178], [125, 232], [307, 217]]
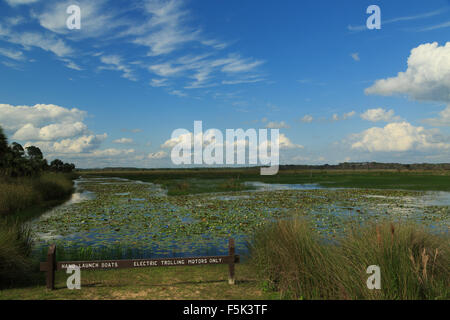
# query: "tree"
[[17, 150], [4, 150], [17, 162], [56, 165], [34, 153]]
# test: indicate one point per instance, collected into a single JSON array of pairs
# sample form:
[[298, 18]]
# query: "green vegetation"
[[21, 199], [21, 193], [28, 185], [15, 248], [290, 258], [15, 161], [192, 181], [141, 216]]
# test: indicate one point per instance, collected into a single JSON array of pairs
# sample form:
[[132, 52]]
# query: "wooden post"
[[231, 253], [51, 267]]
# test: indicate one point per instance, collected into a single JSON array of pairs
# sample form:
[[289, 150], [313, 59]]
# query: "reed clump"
[[20, 193], [291, 258]]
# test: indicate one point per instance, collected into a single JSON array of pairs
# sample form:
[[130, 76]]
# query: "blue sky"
[[111, 93]]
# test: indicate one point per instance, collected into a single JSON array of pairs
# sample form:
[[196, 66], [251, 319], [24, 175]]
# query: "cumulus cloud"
[[286, 143], [51, 132], [345, 116], [54, 129], [208, 138], [379, 114], [79, 145], [426, 78], [399, 137], [15, 117], [123, 141]]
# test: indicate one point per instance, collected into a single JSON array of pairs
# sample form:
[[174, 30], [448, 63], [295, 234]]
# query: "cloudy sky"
[[112, 93]]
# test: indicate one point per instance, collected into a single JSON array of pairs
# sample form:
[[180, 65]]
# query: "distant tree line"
[[370, 166], [16, 161]]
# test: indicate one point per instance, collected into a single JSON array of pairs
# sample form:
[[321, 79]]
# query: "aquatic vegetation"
[[141, 215]]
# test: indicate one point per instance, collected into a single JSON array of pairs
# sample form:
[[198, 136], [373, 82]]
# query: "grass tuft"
[[289, 257]]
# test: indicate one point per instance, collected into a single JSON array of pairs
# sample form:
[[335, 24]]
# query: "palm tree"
[[4, 152]]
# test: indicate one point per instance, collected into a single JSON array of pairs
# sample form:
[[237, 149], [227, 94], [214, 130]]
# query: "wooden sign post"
[[51, 265], [231, 253]]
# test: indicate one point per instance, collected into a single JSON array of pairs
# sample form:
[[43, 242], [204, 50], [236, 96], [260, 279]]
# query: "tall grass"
[[289, 257], [20, 193], [16, 265]]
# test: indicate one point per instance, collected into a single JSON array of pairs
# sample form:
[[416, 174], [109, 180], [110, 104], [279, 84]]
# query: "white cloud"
[[168, 144], [114, 62], [245, 80], [157, 155], [110, 152], [286, 143], [50, 132], [38, 40], [379, 114], [399, 137], [442, 120], [12, 54], [426, 78], [71, 65], [178, 93], [399, 19], [161, 26], [158, 83], [96, 18], [202, 68], [39, 115], [123, 141], [241, 65], [348, 115], [19, 2], [355, 56], [79, 145], [437, 26], [164, 30], [307, 119], [277, 125], [54, 129]]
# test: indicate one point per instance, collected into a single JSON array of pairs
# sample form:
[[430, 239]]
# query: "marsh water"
[[108, 212]]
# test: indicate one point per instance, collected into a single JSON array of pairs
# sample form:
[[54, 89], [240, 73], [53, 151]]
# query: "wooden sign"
[[51, 265]]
